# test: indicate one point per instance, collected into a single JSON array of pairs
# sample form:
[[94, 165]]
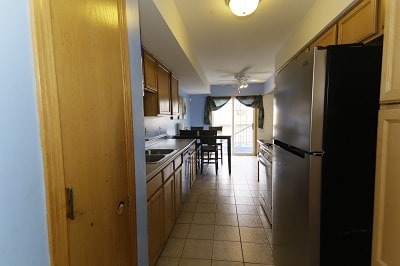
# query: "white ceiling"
[[204, 44]]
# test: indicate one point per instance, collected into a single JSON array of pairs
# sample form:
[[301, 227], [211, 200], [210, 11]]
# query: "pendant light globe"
[[243, 7]]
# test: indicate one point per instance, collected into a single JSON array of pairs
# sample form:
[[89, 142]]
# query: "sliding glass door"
[[237, 120]]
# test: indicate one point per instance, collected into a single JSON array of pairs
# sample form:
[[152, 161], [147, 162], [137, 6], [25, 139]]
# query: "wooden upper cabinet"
[[161, 95], [390, 81], [381, 14], [164, 92], [149, 71], [174, 94], [327, 38], [359, 24]]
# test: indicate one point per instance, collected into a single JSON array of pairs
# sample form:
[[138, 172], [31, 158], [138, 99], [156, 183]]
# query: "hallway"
[[221, 222]]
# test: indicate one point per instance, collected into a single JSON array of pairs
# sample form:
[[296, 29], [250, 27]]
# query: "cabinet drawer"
[[178, 162], [168, 171], [154, 184]]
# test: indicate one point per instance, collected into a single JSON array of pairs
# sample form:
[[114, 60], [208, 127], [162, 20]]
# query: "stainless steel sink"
[[160, 151], [155, 158], [158, 155]]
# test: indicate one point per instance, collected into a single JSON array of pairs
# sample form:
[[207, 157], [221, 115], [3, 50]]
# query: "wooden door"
[[86, 114]]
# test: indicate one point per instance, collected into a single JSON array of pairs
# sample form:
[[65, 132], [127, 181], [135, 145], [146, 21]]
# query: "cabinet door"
[[178, 191], [327, 38], [386, 235], [390, 85], [149, 71], [150, 103], [360, 23], [155, 225], [164, 93], [169, 212], [174, 95]]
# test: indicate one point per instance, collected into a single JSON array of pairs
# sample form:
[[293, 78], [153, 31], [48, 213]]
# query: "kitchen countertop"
[[181, 144]]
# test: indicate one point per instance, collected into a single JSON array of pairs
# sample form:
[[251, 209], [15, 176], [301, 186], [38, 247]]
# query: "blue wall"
[[169, 125], [23, 227]]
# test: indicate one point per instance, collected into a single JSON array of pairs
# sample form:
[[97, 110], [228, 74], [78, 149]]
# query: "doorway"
[[237, 120]]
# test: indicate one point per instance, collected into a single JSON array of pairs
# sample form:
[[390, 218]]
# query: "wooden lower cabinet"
[[155, 207], [164, 201], [169, 209]]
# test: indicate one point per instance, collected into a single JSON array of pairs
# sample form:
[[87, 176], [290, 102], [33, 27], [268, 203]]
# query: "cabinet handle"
[[70, 203]]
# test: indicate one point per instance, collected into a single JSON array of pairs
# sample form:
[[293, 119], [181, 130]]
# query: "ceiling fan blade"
[[244, 70]]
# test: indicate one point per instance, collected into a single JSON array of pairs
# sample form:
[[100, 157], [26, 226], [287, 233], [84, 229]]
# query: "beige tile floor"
[[221, 222]]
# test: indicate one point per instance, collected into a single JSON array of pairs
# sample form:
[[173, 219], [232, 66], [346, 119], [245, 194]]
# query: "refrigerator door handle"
[[317, 153], [297, 151]]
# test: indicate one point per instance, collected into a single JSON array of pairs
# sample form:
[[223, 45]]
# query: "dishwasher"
[[186, 173]]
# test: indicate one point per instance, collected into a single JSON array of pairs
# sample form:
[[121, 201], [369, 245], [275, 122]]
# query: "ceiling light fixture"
[[242, 8], [241, 81]]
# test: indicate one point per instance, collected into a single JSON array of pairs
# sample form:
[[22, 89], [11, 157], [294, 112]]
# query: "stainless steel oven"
[[264, 157]]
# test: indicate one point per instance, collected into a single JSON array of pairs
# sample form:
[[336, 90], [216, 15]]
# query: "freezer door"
[[299, 101], [295, 208]]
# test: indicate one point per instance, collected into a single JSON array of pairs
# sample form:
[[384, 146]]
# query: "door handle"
[[121, 207]]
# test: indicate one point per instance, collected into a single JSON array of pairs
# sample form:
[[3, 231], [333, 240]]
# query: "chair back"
[[207, 133], [219, 128], [196, 128], [188, 133]]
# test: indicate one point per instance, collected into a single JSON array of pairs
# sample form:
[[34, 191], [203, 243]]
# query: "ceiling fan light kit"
[[241, 82], [242, 7]]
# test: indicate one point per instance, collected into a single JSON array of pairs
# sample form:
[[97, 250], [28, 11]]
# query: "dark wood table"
[[222, 137]]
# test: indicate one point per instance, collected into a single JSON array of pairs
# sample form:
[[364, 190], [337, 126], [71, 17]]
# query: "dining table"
[[217, 137]]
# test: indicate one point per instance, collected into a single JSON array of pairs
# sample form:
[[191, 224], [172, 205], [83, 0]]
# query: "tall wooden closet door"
[[88, 53]]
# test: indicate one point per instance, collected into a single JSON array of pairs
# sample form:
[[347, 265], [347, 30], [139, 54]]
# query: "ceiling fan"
[[241, 81]]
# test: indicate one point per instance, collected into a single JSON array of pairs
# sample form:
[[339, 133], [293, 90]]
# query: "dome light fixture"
[[242, 8]]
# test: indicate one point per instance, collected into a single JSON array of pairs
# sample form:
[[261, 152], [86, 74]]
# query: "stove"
[[264, 157]]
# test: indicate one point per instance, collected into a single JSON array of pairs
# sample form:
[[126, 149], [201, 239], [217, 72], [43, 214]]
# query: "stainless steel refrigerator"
[[325, 121]]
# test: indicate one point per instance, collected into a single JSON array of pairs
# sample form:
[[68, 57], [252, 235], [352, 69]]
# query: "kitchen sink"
[[159, 151], [158, 155], [155, 158]]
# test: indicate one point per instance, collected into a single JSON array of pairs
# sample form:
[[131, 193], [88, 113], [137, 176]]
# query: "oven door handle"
[[264, 161]]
